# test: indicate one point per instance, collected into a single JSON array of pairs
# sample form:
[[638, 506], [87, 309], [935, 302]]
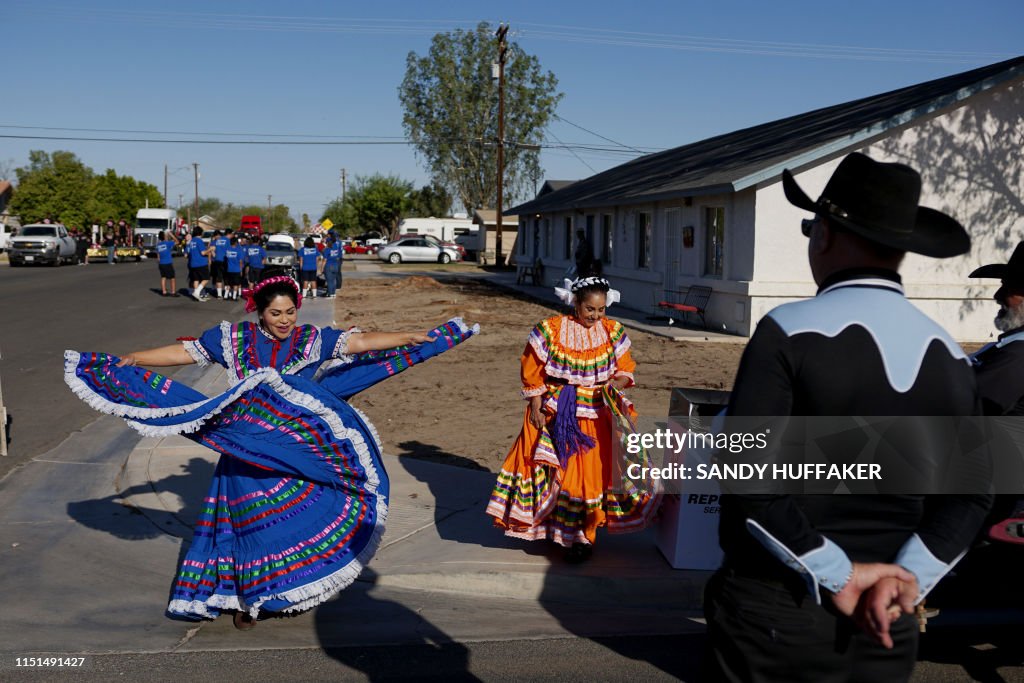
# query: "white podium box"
[[687, 532]]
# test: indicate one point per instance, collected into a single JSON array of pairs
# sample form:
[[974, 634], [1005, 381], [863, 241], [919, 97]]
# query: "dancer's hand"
[[619, 382], [536, 414], [128, 360], [420, 338]]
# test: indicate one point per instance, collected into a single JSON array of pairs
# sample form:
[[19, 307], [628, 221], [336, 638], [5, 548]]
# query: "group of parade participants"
[[232, 260], [813, 587]]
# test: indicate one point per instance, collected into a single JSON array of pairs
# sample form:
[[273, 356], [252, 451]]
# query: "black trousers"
[[765, 630]]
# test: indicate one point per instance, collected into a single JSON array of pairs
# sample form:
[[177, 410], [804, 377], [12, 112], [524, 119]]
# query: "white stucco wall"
[[971, 165], [970, 161]]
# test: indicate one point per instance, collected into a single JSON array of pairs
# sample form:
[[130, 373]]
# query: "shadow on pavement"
[[602, 624], [982, 652], [417, 450], [357, 616], [115, 516], [450, 498]]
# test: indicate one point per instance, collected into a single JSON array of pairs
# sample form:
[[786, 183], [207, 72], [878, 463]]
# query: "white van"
[[149, 223]]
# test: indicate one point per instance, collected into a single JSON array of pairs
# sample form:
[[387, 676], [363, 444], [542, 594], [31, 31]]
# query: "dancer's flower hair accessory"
[[250, 294], [567, 292]]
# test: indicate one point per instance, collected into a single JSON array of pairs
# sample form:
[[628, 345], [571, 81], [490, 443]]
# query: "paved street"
[[85, 308], [95, 518]]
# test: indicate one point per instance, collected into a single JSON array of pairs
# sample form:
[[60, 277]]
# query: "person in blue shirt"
[[255, 254], [220, 244], [165, 261], [233, 256], [332, 266], [309, 262], [198, 263]]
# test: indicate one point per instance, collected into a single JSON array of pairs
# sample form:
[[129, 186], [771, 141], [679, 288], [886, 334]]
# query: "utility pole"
[[195, 172], [342, 187], [167, 203], [502, 48]]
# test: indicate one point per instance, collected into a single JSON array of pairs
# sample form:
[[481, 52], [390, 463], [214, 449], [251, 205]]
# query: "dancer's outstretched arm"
[[174, 354], [378, 341]]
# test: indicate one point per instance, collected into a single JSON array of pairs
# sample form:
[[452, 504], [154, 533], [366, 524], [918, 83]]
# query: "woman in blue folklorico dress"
[[297, 506]]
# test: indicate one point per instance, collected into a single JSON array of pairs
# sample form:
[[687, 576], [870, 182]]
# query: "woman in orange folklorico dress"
[[564, 476]]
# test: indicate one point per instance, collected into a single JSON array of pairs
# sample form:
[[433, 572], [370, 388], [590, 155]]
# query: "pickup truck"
[[47, 243]]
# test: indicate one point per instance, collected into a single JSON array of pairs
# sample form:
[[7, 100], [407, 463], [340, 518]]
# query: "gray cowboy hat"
[[1012, 271], [878, 201]]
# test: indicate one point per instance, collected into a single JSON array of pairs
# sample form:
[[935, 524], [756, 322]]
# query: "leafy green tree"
[[60, 186], [431, 200], [121, 196], [57, 185], [229, 215], [374, 203], [342, 215], [451, 114]]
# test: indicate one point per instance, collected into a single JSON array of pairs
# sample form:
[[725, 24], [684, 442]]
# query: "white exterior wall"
[[971, 167], [642, 288]]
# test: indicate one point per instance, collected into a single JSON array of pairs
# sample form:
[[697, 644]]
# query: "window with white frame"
[[714, 241], [643, 239]]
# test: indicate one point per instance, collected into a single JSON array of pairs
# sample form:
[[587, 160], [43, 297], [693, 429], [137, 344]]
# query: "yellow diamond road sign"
[[327, 224]]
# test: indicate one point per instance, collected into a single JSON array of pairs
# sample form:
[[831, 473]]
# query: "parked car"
[[280, 254], [417, 249], [357, 247], [430, 238], [281, 238], [42, 243]]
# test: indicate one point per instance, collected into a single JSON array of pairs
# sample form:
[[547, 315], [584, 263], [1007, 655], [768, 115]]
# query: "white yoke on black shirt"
[[859, 348]]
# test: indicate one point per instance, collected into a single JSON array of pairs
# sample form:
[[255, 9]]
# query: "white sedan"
[[417, 249]]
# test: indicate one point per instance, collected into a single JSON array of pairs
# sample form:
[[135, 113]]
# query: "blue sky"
[[648, 75]]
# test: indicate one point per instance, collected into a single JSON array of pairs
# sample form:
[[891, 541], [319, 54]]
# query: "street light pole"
[[502, 48]]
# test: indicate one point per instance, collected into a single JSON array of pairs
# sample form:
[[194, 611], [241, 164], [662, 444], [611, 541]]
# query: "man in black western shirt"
[[999, 369], [800, 569]]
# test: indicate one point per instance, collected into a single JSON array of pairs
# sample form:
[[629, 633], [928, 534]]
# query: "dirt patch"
[[463, 408]]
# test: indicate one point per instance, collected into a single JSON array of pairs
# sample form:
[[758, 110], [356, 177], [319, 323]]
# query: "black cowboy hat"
[[878, 201], [1012, 272]]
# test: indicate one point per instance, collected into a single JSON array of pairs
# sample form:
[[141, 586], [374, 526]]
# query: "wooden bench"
[[693, 300], [535, 272]]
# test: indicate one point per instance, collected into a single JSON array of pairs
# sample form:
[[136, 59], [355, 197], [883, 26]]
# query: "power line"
[[556, 32], [577, 156], [560, 145], [565, 120], [211, 142], [191, 132]]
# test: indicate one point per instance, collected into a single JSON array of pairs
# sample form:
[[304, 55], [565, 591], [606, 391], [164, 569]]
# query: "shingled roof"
[[734, 161]]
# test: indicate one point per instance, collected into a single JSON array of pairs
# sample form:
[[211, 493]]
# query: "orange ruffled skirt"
[[535, 498]]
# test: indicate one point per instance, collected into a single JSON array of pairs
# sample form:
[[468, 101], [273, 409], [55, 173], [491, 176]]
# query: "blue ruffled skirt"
[[299, 499]]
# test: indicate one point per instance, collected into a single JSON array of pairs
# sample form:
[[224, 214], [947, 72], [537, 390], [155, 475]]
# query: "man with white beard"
[[999, 369]]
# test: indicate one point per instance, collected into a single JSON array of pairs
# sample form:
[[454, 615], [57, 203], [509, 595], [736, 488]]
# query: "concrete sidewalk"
[[91, 534]]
